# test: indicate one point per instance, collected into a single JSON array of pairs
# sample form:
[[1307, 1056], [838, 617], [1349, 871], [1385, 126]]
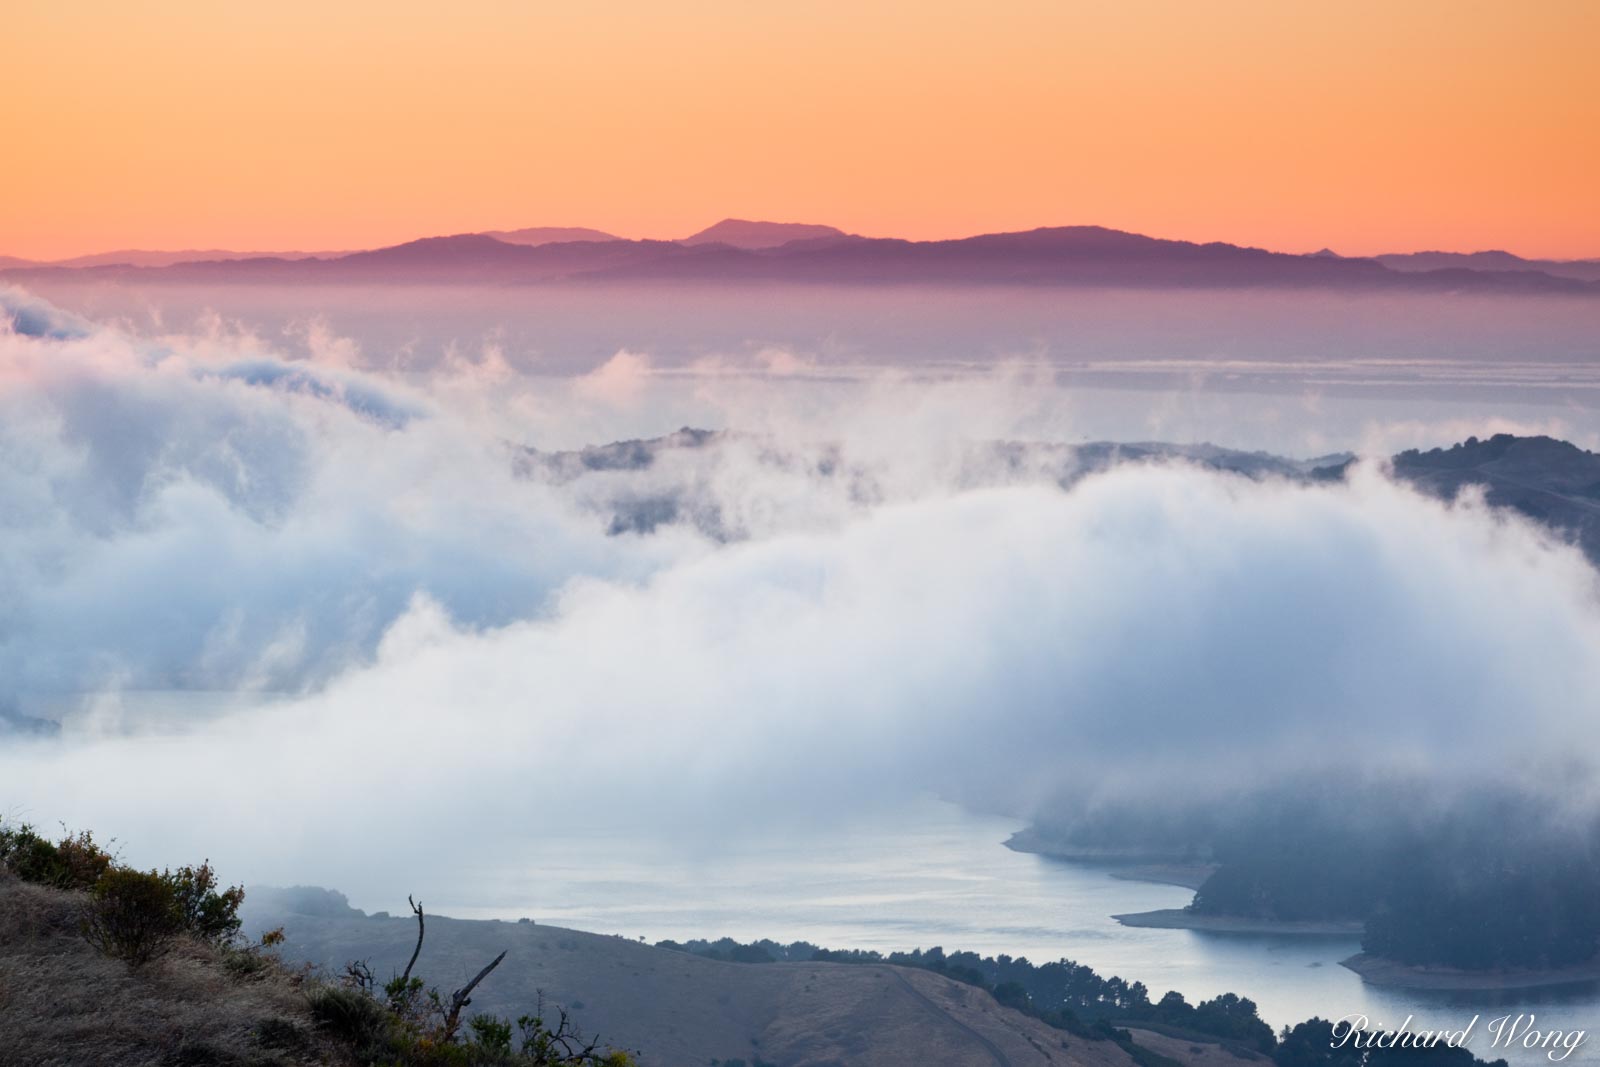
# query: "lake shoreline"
[[1183, 875], [1379, 971], [1183, 919], [1130, 865]]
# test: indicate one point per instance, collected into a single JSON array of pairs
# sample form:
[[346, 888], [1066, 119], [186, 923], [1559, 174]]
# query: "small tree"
[[204, 912]]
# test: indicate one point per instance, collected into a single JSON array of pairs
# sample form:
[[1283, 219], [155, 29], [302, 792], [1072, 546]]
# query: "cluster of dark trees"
[[1519, 911], [1313, 1044], [1064, 994], [1498, 886]]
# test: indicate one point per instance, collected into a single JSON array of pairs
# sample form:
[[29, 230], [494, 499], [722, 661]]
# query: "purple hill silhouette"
[[1051, 256], [1587, 270], [743, 233], [145, 257]]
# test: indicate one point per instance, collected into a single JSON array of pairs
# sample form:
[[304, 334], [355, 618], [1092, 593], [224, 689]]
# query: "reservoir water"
[[932, 874]]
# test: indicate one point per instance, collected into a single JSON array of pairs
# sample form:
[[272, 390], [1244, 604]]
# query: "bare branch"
[[462, 997], [358, 975], [416, 909]]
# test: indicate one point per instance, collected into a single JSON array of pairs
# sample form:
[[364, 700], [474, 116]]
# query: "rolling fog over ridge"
[[901, 610]]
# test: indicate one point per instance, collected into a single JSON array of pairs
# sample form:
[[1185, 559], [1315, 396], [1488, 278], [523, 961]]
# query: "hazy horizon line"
[[215, 247]]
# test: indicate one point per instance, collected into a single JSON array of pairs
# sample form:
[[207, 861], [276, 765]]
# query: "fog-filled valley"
[[470, 587], [896, 580]]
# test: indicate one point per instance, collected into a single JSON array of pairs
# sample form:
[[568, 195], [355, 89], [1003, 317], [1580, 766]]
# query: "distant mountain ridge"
[[743, 233], [737, 251], [140, 257], [1587, 270], [548, 235]]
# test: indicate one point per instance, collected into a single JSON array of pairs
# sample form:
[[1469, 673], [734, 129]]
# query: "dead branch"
[[574, 1046], [358, 975], [563, 1043], [462, 997], [416, 909]]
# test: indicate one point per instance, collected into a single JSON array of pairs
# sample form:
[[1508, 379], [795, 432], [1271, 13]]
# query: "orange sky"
[[314, 124]]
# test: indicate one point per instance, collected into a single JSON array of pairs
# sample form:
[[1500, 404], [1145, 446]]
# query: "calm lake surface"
[[933, 874]]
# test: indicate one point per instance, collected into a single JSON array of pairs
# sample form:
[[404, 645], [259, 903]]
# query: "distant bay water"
[[1300, 373]]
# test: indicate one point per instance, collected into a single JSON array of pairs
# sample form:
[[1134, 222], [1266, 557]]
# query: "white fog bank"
[[451, 654]]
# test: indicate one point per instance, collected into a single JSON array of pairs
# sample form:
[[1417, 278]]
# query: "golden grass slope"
[[63, 1004]]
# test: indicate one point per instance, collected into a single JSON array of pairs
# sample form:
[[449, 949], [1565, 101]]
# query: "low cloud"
[[445, 647]]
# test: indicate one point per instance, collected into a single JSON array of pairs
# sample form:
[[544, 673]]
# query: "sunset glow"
[[1369, 127]]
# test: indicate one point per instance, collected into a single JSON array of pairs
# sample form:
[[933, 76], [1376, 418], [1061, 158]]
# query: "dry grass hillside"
[[679, 1010], [63, 1004]]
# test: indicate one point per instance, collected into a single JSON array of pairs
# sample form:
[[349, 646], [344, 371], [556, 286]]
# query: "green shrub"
[[204, 1054], [284, 1034], [350, 1017], [32, 858], [132, 915], [135, 915], [409, 1001], [563, 1044], [490, 1034], [83, 863], [245, 964], [75, 862]]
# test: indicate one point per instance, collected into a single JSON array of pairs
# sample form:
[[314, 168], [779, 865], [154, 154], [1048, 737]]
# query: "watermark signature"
[[1504, 1032]]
